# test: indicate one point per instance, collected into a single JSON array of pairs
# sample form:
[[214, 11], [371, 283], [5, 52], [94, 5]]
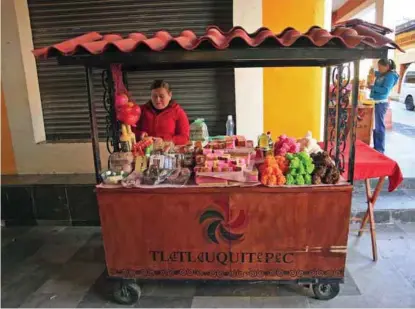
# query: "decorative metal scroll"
[[111, 123], [338, 115]]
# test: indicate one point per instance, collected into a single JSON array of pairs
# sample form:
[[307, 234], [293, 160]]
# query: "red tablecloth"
[[371, 164]]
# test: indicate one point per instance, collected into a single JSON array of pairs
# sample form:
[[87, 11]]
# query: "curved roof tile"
[[346, 35]]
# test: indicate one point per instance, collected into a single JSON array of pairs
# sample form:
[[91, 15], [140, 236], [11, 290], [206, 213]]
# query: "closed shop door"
[[207, 93]]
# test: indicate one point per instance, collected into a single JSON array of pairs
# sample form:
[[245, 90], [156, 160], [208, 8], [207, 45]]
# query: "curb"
[[408, 184], [388, 216]]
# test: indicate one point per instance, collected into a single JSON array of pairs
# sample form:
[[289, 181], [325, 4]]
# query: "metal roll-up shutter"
[[207, 93]]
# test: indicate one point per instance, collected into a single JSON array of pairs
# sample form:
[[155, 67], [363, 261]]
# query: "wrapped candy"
[[286, 145], [309, 144]]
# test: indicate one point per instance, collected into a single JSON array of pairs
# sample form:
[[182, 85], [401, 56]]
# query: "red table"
[[371, 164]]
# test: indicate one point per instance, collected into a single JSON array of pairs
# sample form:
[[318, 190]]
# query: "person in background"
[[385, 79], [161, 117]]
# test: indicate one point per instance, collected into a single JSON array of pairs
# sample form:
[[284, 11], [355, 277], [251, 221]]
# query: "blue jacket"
[[383, 85]]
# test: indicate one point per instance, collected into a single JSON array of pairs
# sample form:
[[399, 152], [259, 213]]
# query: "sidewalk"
[[400, 142], [65, 267], [397, 206]]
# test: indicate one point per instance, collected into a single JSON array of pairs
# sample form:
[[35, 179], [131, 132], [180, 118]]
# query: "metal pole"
[[125, 77], [115, 125], [94, 125], [355, 95], [338, 114], [326, 106]]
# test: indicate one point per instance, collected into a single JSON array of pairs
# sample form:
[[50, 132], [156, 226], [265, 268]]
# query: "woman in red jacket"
[[162, 117]]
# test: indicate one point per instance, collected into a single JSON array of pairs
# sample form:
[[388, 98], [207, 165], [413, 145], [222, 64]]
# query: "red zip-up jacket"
[[171, 124]]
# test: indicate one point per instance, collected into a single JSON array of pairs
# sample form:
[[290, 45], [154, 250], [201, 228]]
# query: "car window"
[[410, 78]]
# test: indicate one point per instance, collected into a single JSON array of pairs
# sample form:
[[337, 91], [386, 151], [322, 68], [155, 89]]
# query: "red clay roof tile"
[[348, 35]]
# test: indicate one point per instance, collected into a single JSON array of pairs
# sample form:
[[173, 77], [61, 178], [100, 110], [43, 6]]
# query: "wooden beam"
[[349, 9]]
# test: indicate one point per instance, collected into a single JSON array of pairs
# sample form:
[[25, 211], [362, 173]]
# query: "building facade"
[[261, 98]]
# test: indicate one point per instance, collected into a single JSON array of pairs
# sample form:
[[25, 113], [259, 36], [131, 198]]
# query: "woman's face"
[[160, 97], [383, 68]]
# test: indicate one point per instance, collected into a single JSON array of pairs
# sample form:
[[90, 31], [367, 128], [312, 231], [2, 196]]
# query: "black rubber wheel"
[[126, 293], [409, 103], [326, 291]]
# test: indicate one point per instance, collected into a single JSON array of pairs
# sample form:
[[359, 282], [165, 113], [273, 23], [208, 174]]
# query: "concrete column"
[[293, 96], [249, 81]]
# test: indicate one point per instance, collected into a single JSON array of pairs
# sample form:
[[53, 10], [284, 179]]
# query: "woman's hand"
[[143, 135], [157, 140]]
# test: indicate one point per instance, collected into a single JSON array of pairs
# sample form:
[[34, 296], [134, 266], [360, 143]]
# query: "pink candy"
[[286, 145]]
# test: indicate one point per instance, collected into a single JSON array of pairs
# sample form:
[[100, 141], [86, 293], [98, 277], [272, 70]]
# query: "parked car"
[[408, 88]]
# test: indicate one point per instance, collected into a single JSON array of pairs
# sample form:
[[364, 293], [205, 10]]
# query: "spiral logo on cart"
[[221, 224]]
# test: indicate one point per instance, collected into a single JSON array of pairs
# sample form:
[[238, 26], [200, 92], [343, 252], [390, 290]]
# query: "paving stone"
[[242, 289], [408, 227], [339, 302], [99, 294], [92, 251], [169, 289], [52, 300], [24, 282], [221, 302], [404, 299], [80, 281], [371, 278], [164, 302], [279, 302], [16, 252]]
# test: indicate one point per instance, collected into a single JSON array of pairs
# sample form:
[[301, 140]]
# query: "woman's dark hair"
[[388, 62], [159, 83]]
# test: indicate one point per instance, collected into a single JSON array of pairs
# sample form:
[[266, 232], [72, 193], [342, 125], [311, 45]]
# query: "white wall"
[[249, 87], [24, 111]]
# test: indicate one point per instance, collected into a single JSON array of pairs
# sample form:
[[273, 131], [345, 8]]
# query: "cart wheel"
[[126, 293], [326, 291]]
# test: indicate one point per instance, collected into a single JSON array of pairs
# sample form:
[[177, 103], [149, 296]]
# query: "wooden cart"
[[286, 234]]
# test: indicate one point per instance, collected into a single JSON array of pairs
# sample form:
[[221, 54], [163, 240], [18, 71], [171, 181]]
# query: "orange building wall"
[[292, 96], [8, 164]]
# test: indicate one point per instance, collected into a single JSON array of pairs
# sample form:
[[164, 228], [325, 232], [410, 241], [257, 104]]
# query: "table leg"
[[370, 215], [368, 200], [373, 233]]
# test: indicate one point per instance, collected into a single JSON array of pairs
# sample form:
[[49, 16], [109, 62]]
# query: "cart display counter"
[[281, 233], [287, 233]]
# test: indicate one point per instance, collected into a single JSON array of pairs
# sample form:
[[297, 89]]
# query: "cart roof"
[[352, 40]]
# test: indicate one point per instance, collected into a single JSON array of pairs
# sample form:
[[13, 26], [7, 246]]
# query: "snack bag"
[[199, 130]]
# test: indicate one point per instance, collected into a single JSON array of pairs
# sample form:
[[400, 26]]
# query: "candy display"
[[271, 174], [286, 145], [300, 169], [325, 171], [221, 161], [309, 144]]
